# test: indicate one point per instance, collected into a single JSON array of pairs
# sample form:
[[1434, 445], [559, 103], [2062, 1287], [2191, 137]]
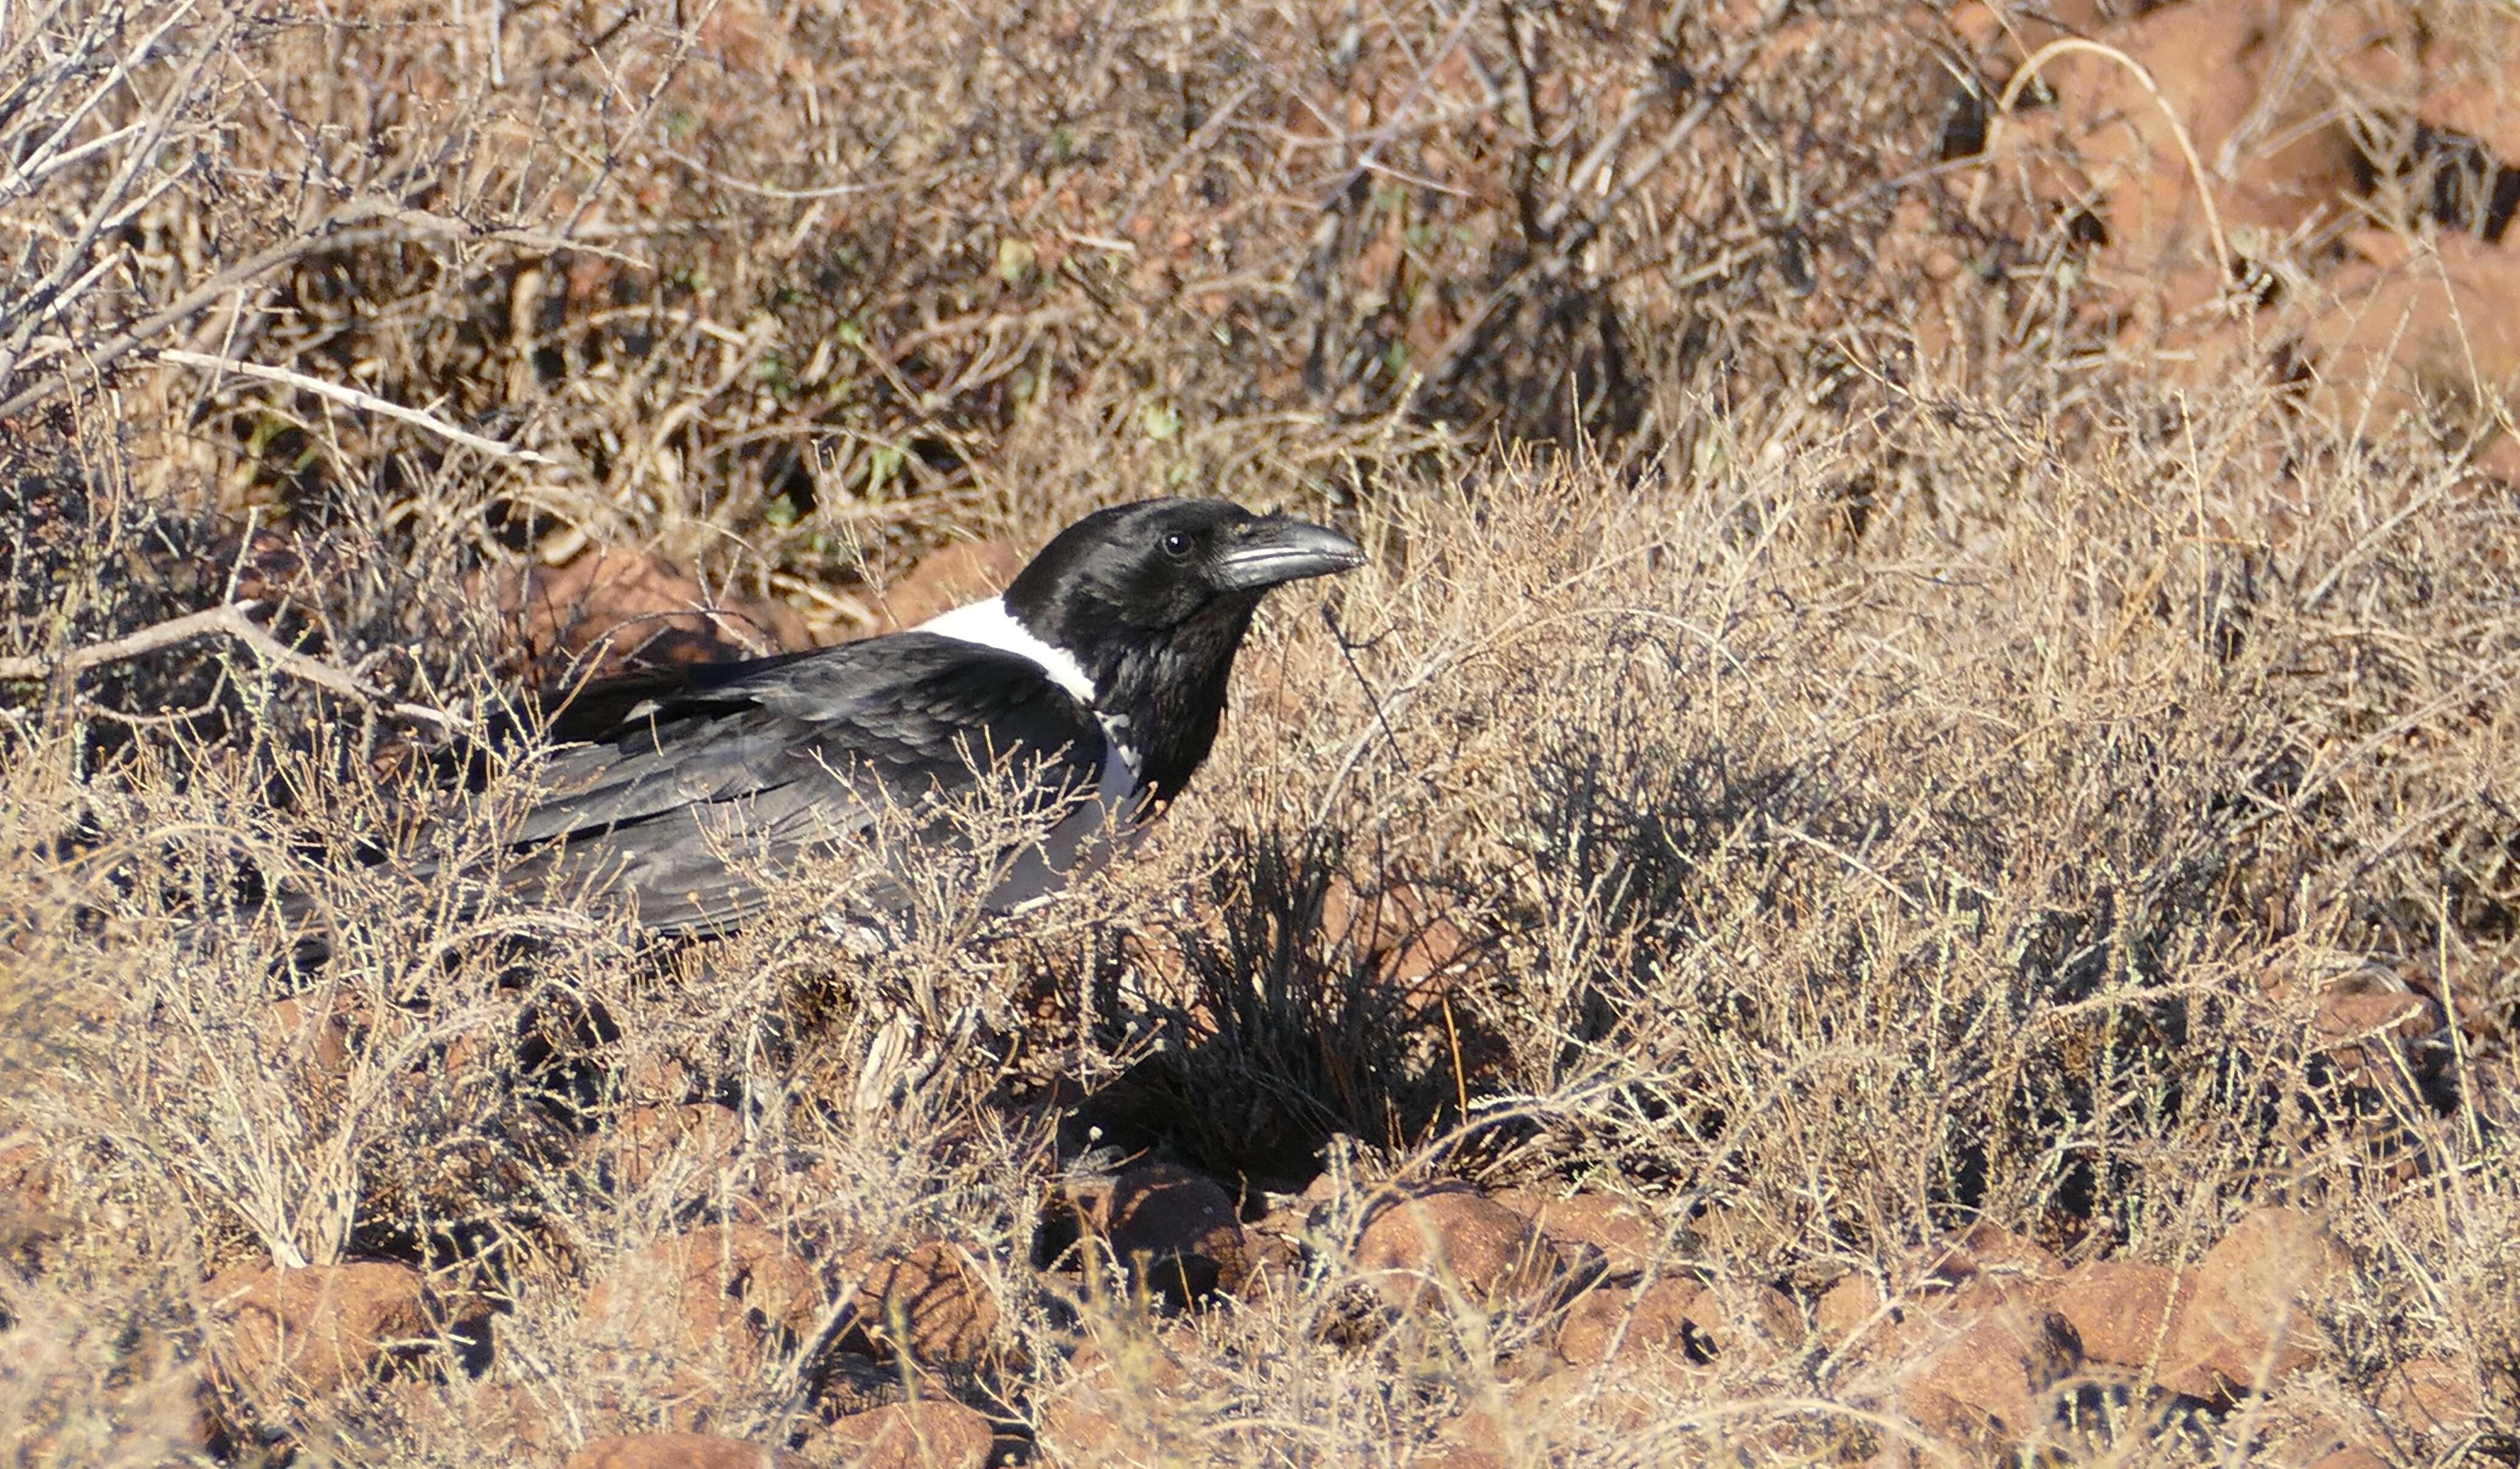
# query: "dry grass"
[[1860, 794]]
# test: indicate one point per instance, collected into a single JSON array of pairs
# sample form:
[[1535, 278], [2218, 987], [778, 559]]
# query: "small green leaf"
[[1014, 260]]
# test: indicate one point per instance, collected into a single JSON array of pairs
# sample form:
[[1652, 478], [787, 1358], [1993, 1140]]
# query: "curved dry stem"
[[2068, 45]]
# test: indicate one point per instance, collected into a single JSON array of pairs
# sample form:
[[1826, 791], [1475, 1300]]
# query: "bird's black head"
[[1152, 600], [1162, 564]]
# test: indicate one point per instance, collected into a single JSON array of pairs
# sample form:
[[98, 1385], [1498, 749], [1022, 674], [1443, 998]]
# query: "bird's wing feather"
[[795, 754]]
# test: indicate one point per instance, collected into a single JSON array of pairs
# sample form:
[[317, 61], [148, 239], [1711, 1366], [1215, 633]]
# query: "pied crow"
[[1094, 682]]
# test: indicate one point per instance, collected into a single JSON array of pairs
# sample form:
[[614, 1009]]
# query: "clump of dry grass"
[[1825, 895], [1821, 899]]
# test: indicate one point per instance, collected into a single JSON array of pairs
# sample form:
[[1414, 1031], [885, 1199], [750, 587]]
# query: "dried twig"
[[227, 618], [355, 399], [2028, 70], [100, 355], [348, 228]]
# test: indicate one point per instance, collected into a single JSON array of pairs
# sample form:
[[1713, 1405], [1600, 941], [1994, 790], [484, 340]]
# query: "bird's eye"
[[1178, 545]]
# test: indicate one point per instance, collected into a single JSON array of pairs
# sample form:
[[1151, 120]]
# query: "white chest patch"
[[990, 625]]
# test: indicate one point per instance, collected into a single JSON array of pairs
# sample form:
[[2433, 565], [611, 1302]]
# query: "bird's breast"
[[1092, 832]]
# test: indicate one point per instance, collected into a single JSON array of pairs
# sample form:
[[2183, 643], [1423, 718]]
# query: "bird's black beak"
[[1263, 553]]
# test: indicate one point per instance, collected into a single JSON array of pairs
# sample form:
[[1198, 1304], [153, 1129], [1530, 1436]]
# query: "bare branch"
[[141, 643], [193, 301], [230, 619], [348, 228], [354, 398]]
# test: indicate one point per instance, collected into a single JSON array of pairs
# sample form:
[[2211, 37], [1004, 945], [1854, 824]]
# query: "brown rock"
[[930, 1303], [1456, 1458], [26, 1216], [2352, 1457], [1500, 1432], [1178, 1228], [946, 578], [1589, 1332], [1153, 1360], [2118, 1309], [2297, 1431], [1746, 1318], [305, 1028], [2479, 108], [655, 1080], [2398, 338], [617, 610], [1610, 1321], [1399, 929], [931, 1433], [1626, 1236], [2004, 39], [1127, 1391], [2374, 46], [696, 1142], [1453, 1236], [2247, 1320], [495, 1418], [1623, 1400], [2430, 1395], [681, 1450], [2120, 153], [1997, 1367], [1274, 1250], [320, 1327], [2366, 1015], [1983, 1251], [1953, 1424], [1852, 1305], [2500, 459], [719, 1295], [1082, 1429]]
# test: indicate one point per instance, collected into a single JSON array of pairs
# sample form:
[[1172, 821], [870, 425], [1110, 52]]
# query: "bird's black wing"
[[768, 760], [595, 710]]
